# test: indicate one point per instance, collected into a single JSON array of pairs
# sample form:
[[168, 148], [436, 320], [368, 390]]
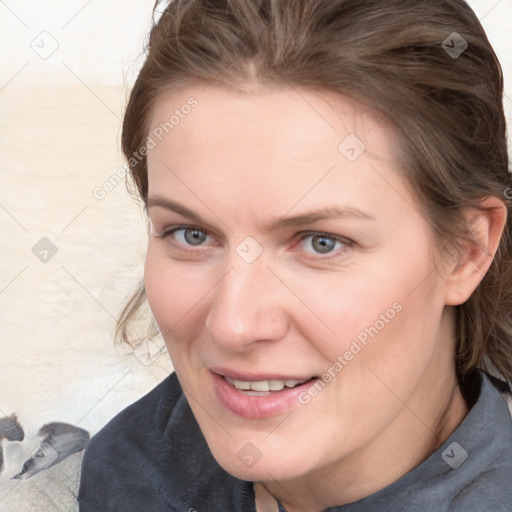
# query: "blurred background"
[[73, 239], [73, 247]]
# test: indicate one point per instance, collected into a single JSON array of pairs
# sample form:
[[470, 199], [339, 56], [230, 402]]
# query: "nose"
[[248, 306]]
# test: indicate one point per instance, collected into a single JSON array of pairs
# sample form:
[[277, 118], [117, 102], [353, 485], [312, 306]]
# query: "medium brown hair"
[[390, 54]]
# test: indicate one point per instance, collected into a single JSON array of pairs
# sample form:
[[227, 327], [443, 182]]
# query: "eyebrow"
[[278, 223]]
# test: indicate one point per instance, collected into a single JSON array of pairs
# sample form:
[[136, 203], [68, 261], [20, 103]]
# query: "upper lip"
[[256, 377]]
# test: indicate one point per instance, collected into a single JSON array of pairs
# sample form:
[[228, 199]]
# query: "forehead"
[[299, 115], [285, 144]]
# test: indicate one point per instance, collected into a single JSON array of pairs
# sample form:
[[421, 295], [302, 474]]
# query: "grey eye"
[[321, 243], [193, 236]]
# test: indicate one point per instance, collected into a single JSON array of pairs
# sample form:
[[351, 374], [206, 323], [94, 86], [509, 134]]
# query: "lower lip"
[[255, 407]]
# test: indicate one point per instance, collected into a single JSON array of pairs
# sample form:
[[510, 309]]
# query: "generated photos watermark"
[[44, 45], [455, 455], [156, 136], [44, 250], [249, 250], [455, 45], [249, 454], [356, 346], [352, 147]]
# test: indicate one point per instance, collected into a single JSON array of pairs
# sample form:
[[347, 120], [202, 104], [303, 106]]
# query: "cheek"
[[174, 296], [397, 335], [346, 307], [378, 316]]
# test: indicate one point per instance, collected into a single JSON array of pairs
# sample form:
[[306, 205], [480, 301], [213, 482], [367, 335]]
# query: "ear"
[[468, 268]]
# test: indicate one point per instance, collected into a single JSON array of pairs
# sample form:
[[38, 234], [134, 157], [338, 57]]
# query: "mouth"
[[260, 396]]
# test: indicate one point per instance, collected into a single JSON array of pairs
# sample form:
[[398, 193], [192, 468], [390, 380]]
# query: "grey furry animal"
[[58, 441], [11, 430]]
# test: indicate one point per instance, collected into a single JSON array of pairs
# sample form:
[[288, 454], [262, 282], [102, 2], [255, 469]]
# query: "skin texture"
[[241, 161]]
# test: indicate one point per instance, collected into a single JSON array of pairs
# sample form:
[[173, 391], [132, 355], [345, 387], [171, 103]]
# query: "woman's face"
[[291, 275]]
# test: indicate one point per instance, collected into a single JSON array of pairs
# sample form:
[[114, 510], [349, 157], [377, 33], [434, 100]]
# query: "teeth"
[[240, 384], [293, 383], [264, 385], [276, 385]]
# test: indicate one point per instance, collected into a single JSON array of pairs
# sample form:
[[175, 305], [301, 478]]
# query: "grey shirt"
[[153, 457]]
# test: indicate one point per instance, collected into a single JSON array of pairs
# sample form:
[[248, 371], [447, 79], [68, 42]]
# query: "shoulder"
[[488, 485], [470, 472], [119, 459], [150, 413]]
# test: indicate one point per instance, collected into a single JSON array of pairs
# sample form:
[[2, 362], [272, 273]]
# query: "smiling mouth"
[[265, 387]]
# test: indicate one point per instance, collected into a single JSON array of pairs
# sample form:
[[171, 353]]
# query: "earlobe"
[[475, 257]]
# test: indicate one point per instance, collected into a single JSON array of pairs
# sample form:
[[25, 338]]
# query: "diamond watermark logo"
[[44, 250], [352, 147], [44, 45], [249, 250], [455, 455], [455, 45], [249, 455]]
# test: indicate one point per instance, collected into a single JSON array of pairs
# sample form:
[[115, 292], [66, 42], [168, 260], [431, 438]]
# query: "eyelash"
[[303, 236]]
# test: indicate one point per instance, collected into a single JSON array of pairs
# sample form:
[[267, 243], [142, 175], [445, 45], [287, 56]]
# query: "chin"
[[268, 468]]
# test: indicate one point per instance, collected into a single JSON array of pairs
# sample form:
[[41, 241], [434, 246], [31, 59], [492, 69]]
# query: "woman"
[[329, 263]]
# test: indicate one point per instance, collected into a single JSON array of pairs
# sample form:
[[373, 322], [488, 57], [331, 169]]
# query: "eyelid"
[[166, 232], [339, 238]]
